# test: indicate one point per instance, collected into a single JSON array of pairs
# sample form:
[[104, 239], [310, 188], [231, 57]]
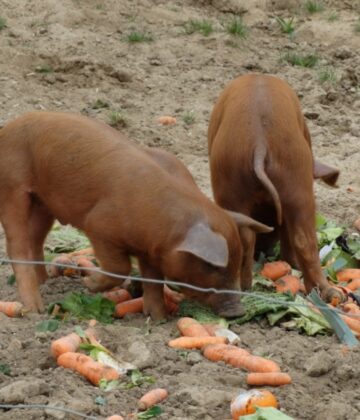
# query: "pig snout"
[[227, 305]]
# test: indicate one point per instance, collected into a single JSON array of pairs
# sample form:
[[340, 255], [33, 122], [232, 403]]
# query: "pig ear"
[[205, 244], [326, 173], [245, 221]]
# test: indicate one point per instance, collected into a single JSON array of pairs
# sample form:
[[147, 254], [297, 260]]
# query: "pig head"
[[129, 201], [262, 165]]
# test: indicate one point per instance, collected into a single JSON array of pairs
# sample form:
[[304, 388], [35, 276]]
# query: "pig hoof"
[[331, 294], [156, 314]]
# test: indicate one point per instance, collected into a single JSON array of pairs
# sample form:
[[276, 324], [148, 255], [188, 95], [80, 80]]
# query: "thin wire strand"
[[179, 284], [48, 407]]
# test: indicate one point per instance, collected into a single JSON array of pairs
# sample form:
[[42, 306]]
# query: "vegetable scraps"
[[84, 306], [246, 402]]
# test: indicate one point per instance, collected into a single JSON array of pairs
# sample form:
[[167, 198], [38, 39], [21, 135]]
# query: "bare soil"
[[70, 55]]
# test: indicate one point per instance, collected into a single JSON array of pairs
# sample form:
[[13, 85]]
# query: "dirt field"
[[74, 55]]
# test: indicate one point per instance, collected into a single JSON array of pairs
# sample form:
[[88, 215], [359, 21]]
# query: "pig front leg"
[[154, 303]]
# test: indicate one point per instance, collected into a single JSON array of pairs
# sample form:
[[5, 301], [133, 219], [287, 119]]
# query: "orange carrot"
[[84, 263], [357, 224], [195, 342], [276, 269], [223, 352], [189, 327], [87, 367], [69, 342], [348, 274], [117, 295], [171, 307], [132, 306], [354, 284], [352, 323], [85, 251], [12, 309], [155, 396], [288, 283], [268, 378], [166, 120], [115, 417], [55, 271], [351, 308], [240, 358], [173, 295]]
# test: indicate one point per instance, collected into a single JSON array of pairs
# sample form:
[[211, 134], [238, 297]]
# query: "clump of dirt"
[[76, 55]]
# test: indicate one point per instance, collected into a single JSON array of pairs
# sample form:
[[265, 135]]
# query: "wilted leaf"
[[150, 413], [48, 325]]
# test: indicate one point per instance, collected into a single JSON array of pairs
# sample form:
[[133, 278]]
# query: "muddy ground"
[[70, 55]]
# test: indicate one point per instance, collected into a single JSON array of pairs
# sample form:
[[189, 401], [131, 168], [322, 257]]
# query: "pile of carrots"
[[197, 336], [83, 259], [279, 273], [65, 351]]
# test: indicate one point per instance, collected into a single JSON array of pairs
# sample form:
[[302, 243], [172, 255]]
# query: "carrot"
[[268, 378], [173, 295], [69, 342], [352, 323], [87, 367], [222, 352], [348, 274], [171, 307], [351, 308], [357, 224], [55, 271], [132, 306], [84, 262], [117, 295], [155, 396], [354, 284], [276, 269], [240, 358], [85, 251], [288, 283], [12, 309], [195, 342], [115, 417], [189, 327], [166, 120]]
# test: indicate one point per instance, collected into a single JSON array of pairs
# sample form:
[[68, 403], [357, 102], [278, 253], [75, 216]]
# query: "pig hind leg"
[[40, 222], [15, 214], [300, 240]]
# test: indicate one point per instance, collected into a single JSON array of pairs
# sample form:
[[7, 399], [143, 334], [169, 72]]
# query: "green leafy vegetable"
[[5, 369], [48, 325], [63, 239], [302, 317], [267, 413], [150, 413], [200, 312], [11, 280], [86, 307], [260, 304]]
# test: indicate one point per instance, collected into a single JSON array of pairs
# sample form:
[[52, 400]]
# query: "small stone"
[[311, 115], [15, 345], [19, 391], [343, 53], [193, 357], [318, 365]]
